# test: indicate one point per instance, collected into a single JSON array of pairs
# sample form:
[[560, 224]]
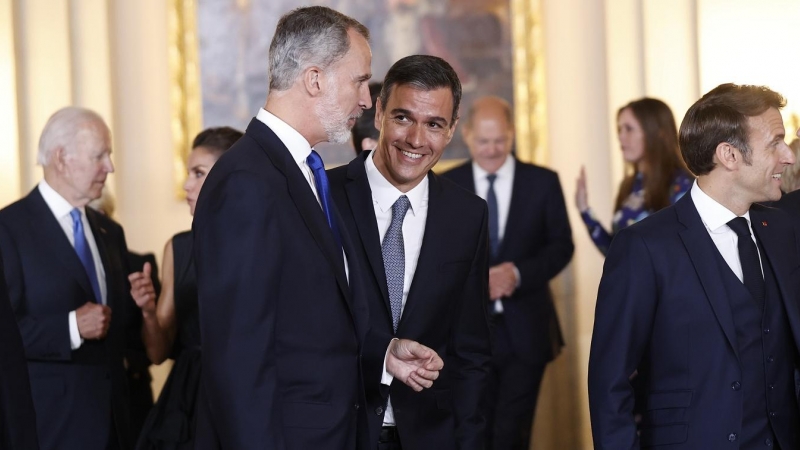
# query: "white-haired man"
[[65, 269]]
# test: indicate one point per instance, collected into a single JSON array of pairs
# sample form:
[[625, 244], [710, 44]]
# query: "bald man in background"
[[530, 242]]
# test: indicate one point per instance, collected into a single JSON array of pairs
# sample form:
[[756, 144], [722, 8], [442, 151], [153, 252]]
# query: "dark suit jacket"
[[445, 309], [17, 417], [281, 331], [74, 392], [662, 307], [538, 240]]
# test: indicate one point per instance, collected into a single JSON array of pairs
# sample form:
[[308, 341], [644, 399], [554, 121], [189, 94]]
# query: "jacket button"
[[766, 330], [772, 414], [736, 385], [771, 386], [732, 437], [770, 358], [768, 442], [379, 410], [356, 406]]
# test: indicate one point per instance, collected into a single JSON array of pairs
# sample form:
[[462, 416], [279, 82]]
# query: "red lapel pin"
[[764, 223]]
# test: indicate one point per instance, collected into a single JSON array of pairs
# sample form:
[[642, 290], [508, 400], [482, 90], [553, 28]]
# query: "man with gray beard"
[[284, 323]]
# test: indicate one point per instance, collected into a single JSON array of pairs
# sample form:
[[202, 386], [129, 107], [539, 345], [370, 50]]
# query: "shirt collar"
[[298, 145], [505, 171], [385, 194], [712, 213], [57, 204]]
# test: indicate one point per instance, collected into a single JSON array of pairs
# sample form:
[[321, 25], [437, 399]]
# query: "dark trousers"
[[389, 439], [513, 391]]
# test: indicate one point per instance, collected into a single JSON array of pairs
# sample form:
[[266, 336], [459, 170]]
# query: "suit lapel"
[[45, 226], [701, 251], [515, 211], [100, 235], [304, 199], [771, 235], [359, 197], [428, 261]]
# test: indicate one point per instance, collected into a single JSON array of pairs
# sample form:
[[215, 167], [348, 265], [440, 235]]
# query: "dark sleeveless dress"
[[171, 422]]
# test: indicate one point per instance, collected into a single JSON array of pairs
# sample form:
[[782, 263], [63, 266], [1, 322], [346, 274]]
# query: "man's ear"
[[378, 114], [369, 143], [453, 131], [312, 81], [59, 158], [728, 156]]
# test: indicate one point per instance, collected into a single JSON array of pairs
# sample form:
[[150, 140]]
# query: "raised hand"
[[142, 290], [581, 197]]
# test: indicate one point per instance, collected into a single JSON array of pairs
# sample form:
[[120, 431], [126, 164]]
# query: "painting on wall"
[[233, 38]]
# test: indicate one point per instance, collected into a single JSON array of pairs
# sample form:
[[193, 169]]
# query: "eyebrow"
[[364, 77], [429, 119]]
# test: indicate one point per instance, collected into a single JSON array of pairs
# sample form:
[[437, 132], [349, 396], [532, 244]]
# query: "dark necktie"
[[394, 258], [84, 252], [494, 221], [748, 256], [323, 190]]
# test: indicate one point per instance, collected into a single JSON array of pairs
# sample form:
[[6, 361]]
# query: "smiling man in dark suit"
[[701, 297], [66, 269], [282, 316], [530, 242], [424, 242]]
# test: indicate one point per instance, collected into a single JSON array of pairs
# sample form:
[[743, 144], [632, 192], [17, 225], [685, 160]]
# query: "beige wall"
[[112, 56]]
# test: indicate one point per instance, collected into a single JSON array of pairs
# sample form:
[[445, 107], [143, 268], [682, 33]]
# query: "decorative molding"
[[529, 81], [184, 67]]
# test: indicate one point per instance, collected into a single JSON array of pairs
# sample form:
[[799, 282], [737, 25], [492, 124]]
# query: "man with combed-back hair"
[[66, 269], [701, 298], [286, 339]]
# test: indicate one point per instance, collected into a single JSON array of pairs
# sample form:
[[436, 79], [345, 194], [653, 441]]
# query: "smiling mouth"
[[777, 176], [411, 155]]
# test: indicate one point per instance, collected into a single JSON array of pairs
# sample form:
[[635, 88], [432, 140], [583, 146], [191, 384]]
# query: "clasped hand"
[[413, 363]]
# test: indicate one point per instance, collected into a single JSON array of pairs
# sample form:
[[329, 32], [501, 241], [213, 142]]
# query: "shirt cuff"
[[386, 377], [75, 339]]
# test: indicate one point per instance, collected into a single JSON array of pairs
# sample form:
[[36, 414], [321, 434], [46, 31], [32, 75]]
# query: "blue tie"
[[84, 252], [494, 222], [323, 189], [394, 258]]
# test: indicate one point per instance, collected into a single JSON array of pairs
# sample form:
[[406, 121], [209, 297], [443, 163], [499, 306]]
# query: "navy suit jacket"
[[538, 240], [445, 310], [662, 308], [17, 417], [74, 392], [281, 329]]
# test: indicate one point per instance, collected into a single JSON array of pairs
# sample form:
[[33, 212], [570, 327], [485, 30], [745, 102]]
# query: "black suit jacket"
[[281, 330], [74, 392], [445, 310], [17, 417], [662, 307], [538, 240]]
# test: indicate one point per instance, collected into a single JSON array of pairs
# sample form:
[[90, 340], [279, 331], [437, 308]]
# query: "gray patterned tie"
[[394, 258]]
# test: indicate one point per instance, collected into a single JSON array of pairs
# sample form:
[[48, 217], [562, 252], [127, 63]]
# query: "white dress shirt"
[[716, 217], [503, 187], [384, 195], [300, 149], [61, 208]]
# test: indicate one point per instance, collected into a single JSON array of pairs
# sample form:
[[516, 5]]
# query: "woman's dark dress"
[[171, 422]]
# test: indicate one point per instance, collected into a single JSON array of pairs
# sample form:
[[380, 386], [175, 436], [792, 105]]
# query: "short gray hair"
[[61, 128], [308, 36]]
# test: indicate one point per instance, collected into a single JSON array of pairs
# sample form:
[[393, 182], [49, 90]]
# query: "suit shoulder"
[[456, 192], [533, 170], [459, 170], [337, 175], [658, 225]]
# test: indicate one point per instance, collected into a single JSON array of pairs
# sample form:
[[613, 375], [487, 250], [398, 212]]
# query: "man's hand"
[[502, 280], [413, 363], [93, 320], [142, 290]]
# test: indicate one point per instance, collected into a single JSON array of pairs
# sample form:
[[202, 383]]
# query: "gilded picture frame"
[[525, 87]]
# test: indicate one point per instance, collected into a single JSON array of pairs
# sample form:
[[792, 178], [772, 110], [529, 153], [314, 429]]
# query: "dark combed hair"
[[722, 116], [217, 139], [365, 125], [426, 73], [662, 159]]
